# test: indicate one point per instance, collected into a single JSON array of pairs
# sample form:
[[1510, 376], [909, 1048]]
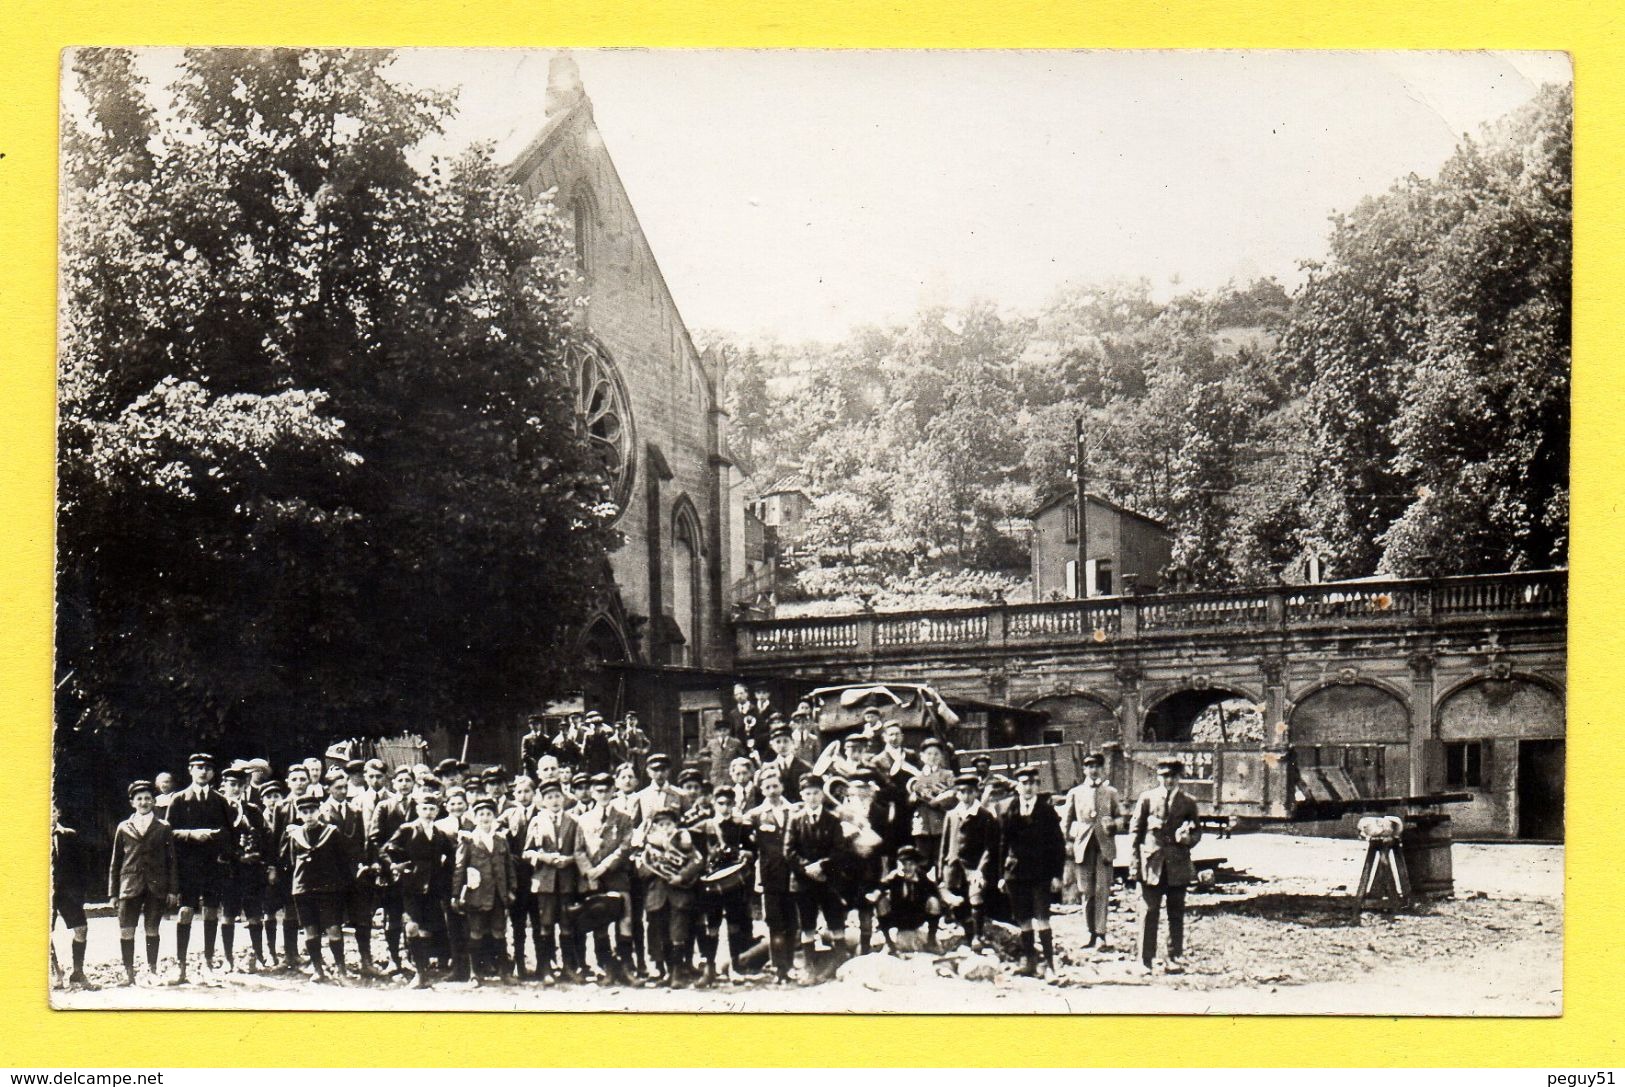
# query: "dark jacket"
[[70, 864], [770, 829], [495, 866], [386, 818], [1032, 848], [969, 844], [420, 858], [142, 863], [202, 820], [320, 858], [813, 838], [565, 838]]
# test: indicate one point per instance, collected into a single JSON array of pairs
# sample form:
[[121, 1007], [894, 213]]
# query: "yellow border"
[[30, 1035]]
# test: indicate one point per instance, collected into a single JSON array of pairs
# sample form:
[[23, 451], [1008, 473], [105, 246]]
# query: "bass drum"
[[723, 880]]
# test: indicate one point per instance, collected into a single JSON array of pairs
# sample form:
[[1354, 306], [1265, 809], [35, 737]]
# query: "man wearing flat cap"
[[1092, 817], [201, 820], [1033, 854], [720, 750], [1166, 825]]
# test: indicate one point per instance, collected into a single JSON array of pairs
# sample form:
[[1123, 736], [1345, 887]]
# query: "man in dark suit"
[[141, 876], [1033, 853], [534, 744], [1164, 828], [201, 820], [967, 863]]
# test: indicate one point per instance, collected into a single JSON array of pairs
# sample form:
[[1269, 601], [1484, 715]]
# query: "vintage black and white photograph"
[[799, 531]]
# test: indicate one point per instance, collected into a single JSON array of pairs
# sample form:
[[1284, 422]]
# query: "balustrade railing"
[[1186, 612], [1322, 603], [1065, 619], [932, 629], [1295, 607], [800, 635]]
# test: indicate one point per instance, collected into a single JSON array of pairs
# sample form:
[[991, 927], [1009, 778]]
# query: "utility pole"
[[1080, 471]]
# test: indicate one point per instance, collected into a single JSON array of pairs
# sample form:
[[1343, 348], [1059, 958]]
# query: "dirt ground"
[[1275, 935]]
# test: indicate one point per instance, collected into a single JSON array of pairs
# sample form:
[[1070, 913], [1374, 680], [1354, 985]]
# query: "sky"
[[801, 194]]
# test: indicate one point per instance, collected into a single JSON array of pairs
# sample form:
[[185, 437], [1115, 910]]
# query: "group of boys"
[[649, 871]]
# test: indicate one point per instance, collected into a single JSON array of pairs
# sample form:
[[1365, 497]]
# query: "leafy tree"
[[320, 473]]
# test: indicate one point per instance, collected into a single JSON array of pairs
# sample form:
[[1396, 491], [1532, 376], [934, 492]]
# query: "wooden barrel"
[[1427, 842]]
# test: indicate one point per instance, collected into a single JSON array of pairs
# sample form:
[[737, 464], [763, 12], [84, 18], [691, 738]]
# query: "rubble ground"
[[1276, 934]]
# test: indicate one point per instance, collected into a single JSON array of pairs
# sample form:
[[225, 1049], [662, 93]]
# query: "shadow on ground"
[[1316, 911]]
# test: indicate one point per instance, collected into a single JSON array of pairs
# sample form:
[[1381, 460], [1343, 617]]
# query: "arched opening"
[[1357, 733], [688, 595], [1204, 715], [582, 216]]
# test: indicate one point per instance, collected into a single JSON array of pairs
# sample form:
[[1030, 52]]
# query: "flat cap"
[[141, 786]]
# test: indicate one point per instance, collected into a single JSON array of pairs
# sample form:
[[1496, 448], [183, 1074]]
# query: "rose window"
[[604, 414]]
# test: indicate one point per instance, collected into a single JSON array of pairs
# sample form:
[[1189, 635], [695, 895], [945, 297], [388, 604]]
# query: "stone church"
[[651, 402]]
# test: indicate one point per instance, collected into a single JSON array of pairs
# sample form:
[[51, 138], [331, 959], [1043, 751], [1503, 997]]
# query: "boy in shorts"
[[141, 879]]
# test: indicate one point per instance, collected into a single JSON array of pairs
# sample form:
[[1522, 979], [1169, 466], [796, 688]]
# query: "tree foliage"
[[1405, 410], [320, 473]]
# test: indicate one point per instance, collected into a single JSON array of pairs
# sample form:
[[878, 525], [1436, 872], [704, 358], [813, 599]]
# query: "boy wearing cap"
[[201, 820], [420, 856], [319, 858], [861, 859], [393, 811], [244, 894], [359, 899], [606, 836], [552, 842], [514, 822], [1033, 856], [785, 759], [725, 840], [142, 876], [770, 823], [1164, 828], [580, 798], [812, 842], [482, 887], [908, 900], [273, 796], [1091, 819], [695, 787], [931, 794], [966, 864], [597, 745], [672, 864], [660, 794]]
